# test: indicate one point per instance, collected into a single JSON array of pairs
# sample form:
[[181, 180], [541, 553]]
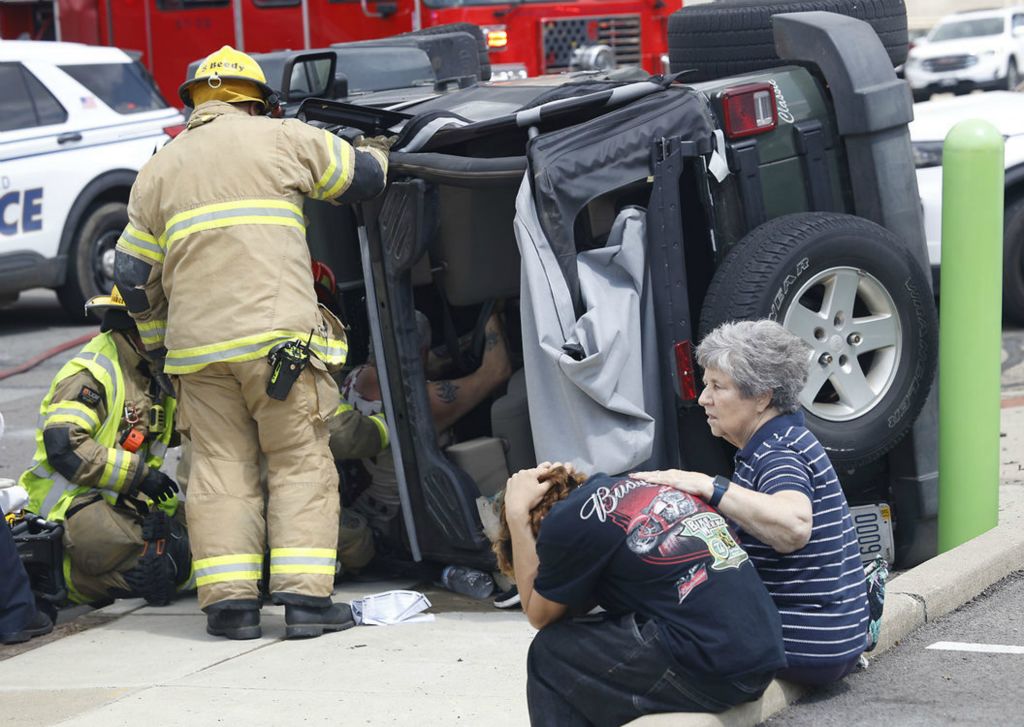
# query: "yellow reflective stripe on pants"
[[221, 568], [229, 214], [338, 174], [189, 360], [316, 561], [141, 243]]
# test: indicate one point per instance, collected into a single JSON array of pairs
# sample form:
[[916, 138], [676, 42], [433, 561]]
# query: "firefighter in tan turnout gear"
[[104, 427], [215, 269]]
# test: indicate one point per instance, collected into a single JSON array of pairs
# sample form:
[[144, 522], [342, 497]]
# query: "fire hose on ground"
[[49, 353]]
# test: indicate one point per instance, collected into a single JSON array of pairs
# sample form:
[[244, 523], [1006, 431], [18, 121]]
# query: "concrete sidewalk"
[[135, 665]]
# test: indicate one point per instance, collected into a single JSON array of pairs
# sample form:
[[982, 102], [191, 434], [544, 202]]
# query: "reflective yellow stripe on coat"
[[229, 214], [188, 360], [141, 244]]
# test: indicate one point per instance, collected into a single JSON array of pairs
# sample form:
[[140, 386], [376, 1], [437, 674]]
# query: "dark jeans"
[[613, 670], [17, 604]]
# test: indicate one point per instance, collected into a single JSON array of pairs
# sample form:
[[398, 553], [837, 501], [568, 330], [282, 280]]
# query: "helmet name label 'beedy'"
[[224, 65]]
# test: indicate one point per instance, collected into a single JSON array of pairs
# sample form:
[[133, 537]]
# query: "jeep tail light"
[[749, 109], [685, 374], [173, 131], [497, 37]]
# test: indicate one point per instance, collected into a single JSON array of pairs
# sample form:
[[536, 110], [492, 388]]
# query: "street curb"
[[912, 599]]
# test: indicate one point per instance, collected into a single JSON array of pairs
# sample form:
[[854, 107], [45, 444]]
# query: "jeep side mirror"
[[308, 74]]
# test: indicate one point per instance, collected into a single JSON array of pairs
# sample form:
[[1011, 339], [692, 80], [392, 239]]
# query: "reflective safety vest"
[[50, 493]]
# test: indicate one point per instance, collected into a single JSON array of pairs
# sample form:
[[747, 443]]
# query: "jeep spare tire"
[[729, 37], [853, 291]]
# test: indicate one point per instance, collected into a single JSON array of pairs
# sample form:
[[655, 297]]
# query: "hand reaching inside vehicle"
[[381, 143], [495, 356]]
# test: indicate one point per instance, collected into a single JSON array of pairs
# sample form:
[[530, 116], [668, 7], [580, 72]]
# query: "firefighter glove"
[[383, 143], [158, 486]]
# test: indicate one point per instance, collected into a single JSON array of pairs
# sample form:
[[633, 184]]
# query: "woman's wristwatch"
[[721, 484]]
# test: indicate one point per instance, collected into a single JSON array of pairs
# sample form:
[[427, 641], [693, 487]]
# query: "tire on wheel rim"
[[855, 294], [729, 37], [91, 257]]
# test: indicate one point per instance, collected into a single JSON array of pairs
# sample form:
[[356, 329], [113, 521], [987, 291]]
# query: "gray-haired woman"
[[784, 496]]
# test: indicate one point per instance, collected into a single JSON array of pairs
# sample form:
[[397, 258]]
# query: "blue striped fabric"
[[819, 589]]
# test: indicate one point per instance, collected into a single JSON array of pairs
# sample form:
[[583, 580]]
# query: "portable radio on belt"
[[287, 360]]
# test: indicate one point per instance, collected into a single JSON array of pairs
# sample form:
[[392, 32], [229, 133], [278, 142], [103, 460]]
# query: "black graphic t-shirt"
[[630, 546]]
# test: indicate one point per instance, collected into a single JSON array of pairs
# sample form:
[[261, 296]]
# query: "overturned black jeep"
[[618, 220]]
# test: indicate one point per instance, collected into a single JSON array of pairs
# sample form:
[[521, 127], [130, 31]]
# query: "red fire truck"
[[544, 36]]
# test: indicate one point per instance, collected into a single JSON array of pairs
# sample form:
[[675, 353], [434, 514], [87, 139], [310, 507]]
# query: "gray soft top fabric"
[[597, 407]]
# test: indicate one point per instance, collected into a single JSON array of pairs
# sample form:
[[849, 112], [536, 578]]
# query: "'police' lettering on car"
[[21, 211]]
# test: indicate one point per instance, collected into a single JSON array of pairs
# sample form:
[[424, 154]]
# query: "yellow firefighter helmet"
[[228, 75], [100, 304]]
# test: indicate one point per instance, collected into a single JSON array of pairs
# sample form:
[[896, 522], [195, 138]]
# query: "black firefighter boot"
[[238, 620], [304, 621], [165, 563]]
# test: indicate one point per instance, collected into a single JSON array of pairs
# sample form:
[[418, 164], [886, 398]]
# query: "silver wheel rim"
[[851, 323]]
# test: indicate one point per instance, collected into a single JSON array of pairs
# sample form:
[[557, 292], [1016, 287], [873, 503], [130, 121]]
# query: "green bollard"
[[970, 329]]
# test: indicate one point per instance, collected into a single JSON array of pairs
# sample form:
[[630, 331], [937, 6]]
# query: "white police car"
[[77, 122], [932, 121]]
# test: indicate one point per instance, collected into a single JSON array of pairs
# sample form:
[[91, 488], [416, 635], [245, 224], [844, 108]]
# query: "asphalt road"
[[917, 686], [29, 327]]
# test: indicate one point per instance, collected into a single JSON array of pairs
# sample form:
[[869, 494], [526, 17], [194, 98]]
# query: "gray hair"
[[761, 357]]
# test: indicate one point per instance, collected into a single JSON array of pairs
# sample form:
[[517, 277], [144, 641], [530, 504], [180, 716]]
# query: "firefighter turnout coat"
[[214, 267]]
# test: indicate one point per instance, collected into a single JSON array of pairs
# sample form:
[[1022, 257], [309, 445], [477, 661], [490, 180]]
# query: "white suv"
[[76, 124], [981, 49]]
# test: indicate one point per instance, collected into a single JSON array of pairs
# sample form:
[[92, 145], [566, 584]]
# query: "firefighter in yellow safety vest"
[[104, 427], [215, 269]]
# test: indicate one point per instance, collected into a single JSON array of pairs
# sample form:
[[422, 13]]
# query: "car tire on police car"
[[853, 291], [90, 268]]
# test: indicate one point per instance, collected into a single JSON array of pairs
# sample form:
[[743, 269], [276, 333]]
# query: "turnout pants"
[[101, 543], [230, 420]]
